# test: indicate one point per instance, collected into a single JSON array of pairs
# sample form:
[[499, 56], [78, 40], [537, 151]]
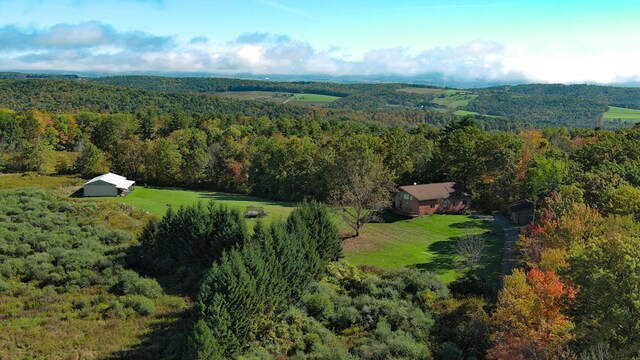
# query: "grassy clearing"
[[618, 113], [156, 201], [313, 98], [425, 242], [455, 99], [256, 95], [280, 97]]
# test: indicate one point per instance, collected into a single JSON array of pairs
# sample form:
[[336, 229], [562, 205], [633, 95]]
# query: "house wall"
[[100, 190], [411, 205], [428, 207]]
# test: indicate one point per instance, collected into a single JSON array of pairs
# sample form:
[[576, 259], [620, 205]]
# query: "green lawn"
[[426, 242], [622, 114], [156, 201]]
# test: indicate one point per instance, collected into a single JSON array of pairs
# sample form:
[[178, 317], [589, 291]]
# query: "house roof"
[[436, 191], [120, 182]]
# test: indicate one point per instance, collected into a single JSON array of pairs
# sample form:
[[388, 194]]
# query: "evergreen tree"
[[201, 344], [317, 220]]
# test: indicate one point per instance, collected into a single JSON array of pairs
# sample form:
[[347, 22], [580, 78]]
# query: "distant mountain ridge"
[[504, 107]]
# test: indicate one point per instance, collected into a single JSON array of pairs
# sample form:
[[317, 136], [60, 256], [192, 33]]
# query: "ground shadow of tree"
[[444, 257], [166, 335], [163, 341]]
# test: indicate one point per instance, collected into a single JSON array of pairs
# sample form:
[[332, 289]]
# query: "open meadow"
[[618, 113]]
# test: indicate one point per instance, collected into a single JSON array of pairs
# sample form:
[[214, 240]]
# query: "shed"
[[108, 184], [424, 199], [520, 212]]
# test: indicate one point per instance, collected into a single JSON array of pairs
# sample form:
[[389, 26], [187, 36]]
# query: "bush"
[[130, 283], [140, 305], [80, 304], [4, 287], [116, 310], [318, 305], [116, 237]]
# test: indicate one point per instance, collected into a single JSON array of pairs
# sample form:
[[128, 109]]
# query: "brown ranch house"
[[425, 199]]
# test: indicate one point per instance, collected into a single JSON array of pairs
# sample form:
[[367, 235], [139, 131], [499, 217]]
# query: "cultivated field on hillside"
[[280, 97], [622, 114]]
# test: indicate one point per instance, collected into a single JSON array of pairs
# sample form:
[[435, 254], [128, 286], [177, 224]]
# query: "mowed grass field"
[[622, 114], [157, 200], [426, 242]]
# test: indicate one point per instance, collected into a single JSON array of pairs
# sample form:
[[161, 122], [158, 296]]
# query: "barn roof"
[[120, 182], [436, 191]]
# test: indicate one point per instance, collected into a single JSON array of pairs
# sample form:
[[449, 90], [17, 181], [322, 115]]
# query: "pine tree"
[[317, 220], [201, 344]]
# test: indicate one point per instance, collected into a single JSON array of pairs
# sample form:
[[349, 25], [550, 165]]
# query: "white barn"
[[108, 184]]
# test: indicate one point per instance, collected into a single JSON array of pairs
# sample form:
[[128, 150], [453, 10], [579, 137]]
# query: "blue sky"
[[546, 41]]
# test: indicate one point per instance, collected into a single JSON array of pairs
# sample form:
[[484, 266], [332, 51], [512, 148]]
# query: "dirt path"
[[508, 251]]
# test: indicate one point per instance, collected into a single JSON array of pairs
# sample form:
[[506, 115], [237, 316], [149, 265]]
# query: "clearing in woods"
[[280, 97], [426, 242], [625, 114]]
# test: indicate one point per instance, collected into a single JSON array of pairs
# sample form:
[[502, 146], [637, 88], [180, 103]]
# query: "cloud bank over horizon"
[[100, 47]]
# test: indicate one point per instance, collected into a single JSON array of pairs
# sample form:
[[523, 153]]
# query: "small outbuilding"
[[425, 199], [108, 184], [520, 212]]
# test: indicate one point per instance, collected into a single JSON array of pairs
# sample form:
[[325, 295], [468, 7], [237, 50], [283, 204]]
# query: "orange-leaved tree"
[[529, 323]]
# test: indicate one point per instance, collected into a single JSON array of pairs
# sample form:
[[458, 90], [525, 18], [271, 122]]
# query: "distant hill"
[[502, 107]]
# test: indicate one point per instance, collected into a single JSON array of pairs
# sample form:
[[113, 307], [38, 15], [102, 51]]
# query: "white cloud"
[[94, 46]]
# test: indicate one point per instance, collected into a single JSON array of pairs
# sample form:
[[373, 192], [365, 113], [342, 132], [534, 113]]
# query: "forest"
[[282, 289]]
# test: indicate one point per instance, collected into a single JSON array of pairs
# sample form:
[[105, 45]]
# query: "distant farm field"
[[313, 98], [622, 114], [421, 90], [454, 99], [426, 242], [280, 97]]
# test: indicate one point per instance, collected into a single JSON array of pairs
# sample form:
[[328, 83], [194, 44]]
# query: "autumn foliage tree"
[[529, 321]]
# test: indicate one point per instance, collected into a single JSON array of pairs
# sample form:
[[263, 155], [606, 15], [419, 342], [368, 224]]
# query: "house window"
[[464, 202], [433, 205], [406, 196]]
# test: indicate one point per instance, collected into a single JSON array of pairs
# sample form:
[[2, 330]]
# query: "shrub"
[[140, 305], [130, 283], [318, 305], [80, 304], [4, 287], [116, 237], [116, 310]]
